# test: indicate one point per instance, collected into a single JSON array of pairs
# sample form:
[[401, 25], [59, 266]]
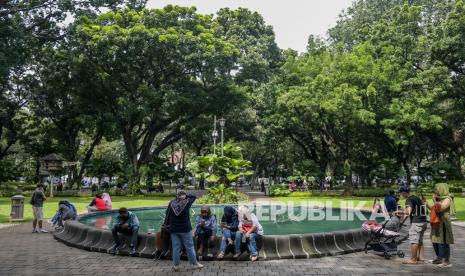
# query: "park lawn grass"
[[51, 205], [366, 201]]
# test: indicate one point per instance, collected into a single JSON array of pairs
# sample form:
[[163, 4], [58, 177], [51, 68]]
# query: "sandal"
[[410, 262]]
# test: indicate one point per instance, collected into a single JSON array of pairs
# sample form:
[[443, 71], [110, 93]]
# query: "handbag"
[[434, 216], [163, 239]]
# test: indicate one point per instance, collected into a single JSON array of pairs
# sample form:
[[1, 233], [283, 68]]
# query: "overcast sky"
[[292, 20]]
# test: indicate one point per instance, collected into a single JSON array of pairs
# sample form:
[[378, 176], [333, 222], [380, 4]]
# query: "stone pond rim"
[[273, 247]]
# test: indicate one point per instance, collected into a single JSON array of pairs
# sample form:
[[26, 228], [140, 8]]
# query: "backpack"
[[33, 197]]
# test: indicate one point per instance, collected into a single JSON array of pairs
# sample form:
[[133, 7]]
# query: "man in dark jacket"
[[390, 202], [230, 225], [126, 223], [180, 228]]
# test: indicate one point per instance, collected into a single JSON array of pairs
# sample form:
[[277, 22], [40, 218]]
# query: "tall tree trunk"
[[458, 138], [131, 150], [407, 172], [37, 171], [135, 177], [348, 185], [97, 139], [458, 160]]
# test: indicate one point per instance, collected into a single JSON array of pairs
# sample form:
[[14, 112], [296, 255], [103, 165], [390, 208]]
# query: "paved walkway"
[[23, 253]]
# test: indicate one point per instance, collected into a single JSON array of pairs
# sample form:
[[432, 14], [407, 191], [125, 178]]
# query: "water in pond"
[[280, 224]]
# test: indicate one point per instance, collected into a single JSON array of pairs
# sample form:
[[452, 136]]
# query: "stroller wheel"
[[400, 254], [387, 256]]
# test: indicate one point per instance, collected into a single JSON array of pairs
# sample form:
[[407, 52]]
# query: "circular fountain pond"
[[297, 232]]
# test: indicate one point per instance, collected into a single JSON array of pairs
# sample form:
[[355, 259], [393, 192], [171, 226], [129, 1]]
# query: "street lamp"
[[222, 123], [214, 135]]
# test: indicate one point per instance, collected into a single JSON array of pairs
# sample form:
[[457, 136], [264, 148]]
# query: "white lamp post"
[[214, 136], [222, 124]]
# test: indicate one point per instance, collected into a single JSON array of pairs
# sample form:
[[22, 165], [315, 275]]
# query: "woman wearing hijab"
[[180, 228], [441, 235], [205, 230], [229, 225], [250, 230]]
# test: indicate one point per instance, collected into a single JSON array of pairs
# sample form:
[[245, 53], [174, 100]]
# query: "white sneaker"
[[176, 268], [35, 231], [197, 266], [43, 231], [445, 265]]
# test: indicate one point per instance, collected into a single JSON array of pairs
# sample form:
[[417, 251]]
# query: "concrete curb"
[[272, 247]]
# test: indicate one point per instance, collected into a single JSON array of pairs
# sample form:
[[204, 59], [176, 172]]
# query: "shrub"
[[301, 194], [11, 188], [68, 193], [456, 190], [279, 190], [26, 186], [426, 188], [13, 193], [153, 194], [222, 195], [371, 192]]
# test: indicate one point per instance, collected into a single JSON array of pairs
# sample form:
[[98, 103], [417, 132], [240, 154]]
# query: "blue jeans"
[[227, 234], [442, 250], [179, 239], [251, 243]]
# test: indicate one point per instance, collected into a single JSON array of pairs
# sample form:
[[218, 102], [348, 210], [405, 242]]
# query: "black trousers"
[[203, 238]]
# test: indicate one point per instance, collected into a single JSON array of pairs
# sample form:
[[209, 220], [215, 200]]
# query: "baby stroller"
[[385, 237]]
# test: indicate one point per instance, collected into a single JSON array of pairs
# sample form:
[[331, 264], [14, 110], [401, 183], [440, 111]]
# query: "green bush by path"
[[279, 190], [222, 195], [51, 205]]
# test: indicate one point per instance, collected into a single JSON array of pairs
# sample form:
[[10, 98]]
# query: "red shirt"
[[100, 204]]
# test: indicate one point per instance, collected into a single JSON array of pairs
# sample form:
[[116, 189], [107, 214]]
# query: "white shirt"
[[255, 223]]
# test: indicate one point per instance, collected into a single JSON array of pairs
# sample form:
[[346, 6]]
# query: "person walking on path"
[[441, 234], [416, 210], [37, 201], [180, 228]]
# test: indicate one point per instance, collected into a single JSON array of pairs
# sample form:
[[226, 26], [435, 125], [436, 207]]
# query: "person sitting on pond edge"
[[126, 223], [229, 225], [205, 231], [250, 230]]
